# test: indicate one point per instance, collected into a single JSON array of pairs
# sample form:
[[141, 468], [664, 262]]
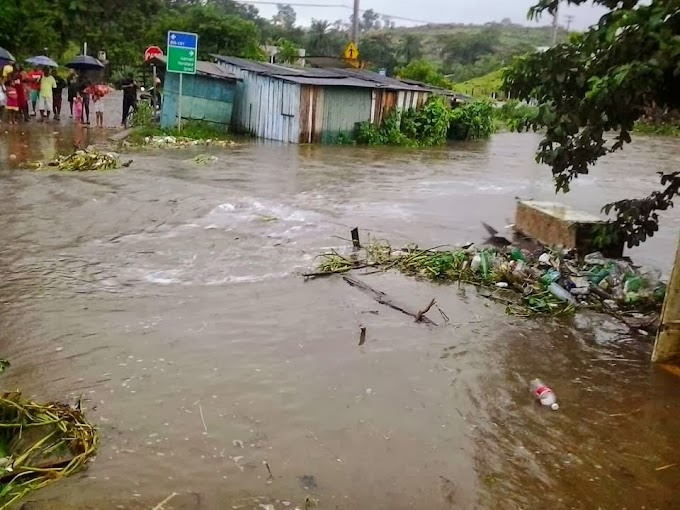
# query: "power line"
[[336, 6]]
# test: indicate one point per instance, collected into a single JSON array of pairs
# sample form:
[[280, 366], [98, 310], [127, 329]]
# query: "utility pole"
[[570, 19], [355, 23], [555, 26]]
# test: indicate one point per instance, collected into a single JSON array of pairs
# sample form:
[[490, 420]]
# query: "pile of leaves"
[[545, 282], [84, 160], [40, 444]]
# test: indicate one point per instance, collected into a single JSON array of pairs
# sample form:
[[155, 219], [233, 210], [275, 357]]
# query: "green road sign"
[[182, 52]]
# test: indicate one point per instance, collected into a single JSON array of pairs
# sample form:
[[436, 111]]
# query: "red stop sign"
[[151, 52]]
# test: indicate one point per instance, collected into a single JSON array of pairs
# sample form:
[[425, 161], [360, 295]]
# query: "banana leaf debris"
[[529, 283], [83, 160], [40, 444]]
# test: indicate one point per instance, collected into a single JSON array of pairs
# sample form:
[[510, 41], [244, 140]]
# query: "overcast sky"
[[441, 11]]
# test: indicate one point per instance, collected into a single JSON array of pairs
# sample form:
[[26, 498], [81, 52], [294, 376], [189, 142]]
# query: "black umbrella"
[[84, 62], [6, 55]]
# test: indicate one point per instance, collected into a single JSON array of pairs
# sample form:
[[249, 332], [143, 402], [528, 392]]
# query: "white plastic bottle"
[[544, 394]]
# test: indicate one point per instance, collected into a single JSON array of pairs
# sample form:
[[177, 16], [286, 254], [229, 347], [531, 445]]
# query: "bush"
[[411, 128], [516, 115], [473, 121], [144, 116]]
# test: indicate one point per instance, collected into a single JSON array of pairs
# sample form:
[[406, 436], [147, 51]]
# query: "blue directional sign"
[[182, 52]]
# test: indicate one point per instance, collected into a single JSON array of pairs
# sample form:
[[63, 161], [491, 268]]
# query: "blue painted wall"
[[203, 98]]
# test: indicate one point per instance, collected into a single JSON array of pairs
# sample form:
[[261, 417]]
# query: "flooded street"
[[168, 295]]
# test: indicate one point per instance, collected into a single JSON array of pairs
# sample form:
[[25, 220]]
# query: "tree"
[[370, 20], [218, 33], [289, 53], [601, 82], [323, 40], [466, 48], [285, 17], [379, 51], [410, 48], [426, 72]]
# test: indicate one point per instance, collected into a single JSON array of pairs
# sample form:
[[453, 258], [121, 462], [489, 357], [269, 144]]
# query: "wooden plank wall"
[[266, 107]]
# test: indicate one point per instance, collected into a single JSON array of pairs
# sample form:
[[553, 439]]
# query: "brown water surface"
[[167, 295]]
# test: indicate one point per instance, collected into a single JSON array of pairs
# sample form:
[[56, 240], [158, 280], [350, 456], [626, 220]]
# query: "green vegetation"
[[424, 71], [430, 126], [602, 81], [474, 121], [456, 53], [482, 86], [515, 114], [40, 444], [658, 129], [522, 294], [191, 130]]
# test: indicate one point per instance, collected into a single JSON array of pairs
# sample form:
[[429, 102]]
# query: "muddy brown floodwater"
[[167, 295]]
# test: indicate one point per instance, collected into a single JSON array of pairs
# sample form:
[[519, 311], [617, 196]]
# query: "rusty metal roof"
[[324, 76], [202, 67]]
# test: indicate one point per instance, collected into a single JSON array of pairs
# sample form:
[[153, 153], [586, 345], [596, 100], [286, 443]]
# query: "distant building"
[[307, 105]]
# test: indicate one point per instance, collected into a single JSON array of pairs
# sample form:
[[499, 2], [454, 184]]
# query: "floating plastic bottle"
[[544, 394]]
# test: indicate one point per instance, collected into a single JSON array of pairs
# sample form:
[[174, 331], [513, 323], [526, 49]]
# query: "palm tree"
[[410, 48]]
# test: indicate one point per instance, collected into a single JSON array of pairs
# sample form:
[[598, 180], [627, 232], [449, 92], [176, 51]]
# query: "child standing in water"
[[78, 108], [98, 107], [12, 102]]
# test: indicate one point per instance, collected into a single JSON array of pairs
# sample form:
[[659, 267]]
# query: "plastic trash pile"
[[544, 282]]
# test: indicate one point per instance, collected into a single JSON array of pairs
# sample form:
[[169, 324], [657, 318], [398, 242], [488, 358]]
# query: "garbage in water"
[[83, 160], [39, 444], [554, 282], [544, 395], [205, 159], [178, 142]]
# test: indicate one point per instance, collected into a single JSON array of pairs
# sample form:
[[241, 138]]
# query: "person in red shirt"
[[22, 93], [34, 78]]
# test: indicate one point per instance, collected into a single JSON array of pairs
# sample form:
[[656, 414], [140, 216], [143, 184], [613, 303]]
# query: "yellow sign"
[[351, 52]]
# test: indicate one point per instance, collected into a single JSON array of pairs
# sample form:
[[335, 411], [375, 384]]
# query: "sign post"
[[182, 57]]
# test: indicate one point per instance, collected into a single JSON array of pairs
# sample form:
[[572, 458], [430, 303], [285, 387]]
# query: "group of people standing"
[[38, 90], [25, 94]]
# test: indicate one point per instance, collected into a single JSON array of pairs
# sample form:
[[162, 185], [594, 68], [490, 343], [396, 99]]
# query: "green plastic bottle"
[[516, 254]]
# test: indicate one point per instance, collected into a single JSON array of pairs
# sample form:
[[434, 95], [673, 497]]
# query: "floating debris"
[[84, 160], [205, 159], [552, 282], [40, 444], [179, 142]]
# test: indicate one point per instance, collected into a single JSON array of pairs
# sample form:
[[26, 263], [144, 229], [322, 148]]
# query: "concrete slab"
[[555, 224]]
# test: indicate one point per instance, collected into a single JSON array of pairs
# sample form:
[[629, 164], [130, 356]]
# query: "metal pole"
[[355, 23], [179, 105], [153, 95], [555, 26]]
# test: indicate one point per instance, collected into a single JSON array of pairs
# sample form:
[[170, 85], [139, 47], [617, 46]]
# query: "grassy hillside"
[[461, 52], [482, 86]]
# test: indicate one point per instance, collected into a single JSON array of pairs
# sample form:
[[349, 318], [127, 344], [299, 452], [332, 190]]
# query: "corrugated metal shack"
[[307, 105], [207, 95]]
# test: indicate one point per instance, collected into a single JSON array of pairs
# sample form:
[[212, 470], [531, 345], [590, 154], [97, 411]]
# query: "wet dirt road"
[[166, 294]]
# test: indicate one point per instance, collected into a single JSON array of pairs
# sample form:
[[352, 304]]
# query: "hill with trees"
[[123, 28]]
